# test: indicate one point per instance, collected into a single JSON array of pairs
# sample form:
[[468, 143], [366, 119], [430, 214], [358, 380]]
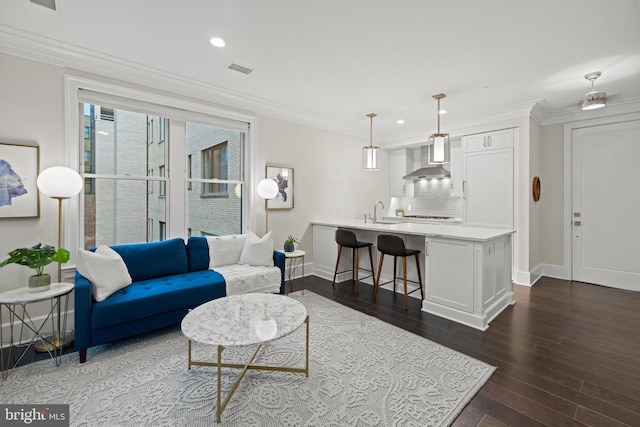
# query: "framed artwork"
[[19, 166], [283, 176]]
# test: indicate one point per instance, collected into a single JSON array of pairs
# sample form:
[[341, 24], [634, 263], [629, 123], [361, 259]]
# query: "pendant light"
[[594, 99], [439, 142], [371, 154]]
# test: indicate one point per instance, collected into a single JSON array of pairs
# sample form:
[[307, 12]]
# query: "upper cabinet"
[[402, 163], [488, 181], [488, 141]]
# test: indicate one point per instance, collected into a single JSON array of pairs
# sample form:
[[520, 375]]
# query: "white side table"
[[293, 261], [16, 301]]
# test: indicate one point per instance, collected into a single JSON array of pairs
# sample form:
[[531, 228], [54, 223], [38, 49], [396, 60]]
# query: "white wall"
[[552, 198], [31, 110], [328, 177], [535, 208]]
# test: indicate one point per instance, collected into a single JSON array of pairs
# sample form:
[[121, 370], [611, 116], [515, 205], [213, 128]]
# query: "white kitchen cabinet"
[[401, 164], [488, 141], [469, 282], [455, 167], [449, 273], [466, 270], [487, 175]]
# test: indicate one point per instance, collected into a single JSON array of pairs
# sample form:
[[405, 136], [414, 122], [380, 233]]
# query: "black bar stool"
[[347, 239], [394, 245]]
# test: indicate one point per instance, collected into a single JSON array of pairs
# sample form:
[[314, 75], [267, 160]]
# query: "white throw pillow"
[[105, 269], [225, 250], [257, 251]]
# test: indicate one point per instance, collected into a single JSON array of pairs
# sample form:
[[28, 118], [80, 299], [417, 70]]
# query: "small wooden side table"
[[293, 261], [16, 301]]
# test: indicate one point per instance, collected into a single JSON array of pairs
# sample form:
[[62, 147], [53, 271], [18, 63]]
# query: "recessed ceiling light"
[[400, 122], [217, 42]]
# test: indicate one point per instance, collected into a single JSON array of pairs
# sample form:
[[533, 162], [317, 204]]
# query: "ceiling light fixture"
[[593, 99], [438, 149], [400, 122], [217, 42], [371, 154]]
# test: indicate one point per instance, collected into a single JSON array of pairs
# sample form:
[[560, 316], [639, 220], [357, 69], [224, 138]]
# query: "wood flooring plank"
[[563, 347], [489, 421], [594, 419], [538, 395]]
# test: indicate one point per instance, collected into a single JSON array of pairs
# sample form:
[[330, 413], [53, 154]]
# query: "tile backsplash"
[[432, 197]]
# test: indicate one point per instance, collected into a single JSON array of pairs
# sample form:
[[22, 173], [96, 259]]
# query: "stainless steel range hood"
[[427, 170]]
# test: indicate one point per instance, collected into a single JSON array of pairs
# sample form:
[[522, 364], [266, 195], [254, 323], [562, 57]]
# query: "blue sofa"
[[168, 279]]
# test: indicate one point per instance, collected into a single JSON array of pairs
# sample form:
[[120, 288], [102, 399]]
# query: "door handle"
[[426, 248], [464, 189]]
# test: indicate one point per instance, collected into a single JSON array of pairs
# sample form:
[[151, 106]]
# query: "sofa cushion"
[[105, 269], [156, 259], [225, 250], [198, 253], [151, 297], [257, 251], [243, 279]]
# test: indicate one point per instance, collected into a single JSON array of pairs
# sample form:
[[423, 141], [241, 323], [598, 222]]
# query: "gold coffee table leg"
[[221, 405]]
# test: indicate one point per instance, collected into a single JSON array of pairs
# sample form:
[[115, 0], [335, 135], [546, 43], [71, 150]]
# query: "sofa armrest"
[[83, 299], [279, 261]]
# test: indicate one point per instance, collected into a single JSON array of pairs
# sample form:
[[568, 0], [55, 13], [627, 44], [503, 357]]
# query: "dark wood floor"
[[567, 353]]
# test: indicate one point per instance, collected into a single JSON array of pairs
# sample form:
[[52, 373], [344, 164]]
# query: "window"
[[216, 154], [122, 164], [120, 210], [163, 184], [162, 231], [189, 171], [162, 130], [214, 166]]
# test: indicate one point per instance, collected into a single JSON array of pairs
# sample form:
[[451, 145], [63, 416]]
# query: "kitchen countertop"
[[460, 232]]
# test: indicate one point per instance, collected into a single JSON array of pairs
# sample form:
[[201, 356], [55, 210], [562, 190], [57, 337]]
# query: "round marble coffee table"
[[242, 320]]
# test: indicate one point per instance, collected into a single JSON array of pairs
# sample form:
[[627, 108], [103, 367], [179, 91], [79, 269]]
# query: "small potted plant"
[[289, 243], [399, 212], [37, 257]]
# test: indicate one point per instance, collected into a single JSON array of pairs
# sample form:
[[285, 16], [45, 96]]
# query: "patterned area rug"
[[363, 372]]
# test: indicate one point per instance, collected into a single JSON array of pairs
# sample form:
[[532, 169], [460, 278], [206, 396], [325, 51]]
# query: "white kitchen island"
[[466, 270]]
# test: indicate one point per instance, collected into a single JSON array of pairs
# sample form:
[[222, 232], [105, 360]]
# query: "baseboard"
[[555, 271]]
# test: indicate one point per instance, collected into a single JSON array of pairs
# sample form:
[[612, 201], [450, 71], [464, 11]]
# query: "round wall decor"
[[536, 188]]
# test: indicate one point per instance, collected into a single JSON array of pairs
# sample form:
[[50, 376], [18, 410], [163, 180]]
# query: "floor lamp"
[[267, 190], [59, 182]]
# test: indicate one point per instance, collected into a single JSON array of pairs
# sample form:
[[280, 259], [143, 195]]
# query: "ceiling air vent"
[[51, 4], [239, 68]]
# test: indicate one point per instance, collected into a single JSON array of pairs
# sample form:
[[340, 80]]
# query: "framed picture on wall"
[[283, 176], [19, 166]]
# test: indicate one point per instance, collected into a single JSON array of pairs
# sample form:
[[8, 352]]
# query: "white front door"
[[606, 205]]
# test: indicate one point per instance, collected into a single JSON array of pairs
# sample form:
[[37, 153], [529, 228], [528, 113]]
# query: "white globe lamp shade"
[[267, 189], [59, 182]]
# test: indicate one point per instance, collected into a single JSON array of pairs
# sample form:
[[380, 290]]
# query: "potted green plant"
[[37, 257], [289, 243], [399, 212]]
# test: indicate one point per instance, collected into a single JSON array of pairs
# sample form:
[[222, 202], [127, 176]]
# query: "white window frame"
[[176, 216]]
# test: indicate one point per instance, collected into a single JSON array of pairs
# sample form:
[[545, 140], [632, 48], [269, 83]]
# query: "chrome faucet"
[[375, 216]]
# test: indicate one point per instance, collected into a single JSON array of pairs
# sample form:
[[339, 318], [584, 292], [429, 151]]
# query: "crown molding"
[[458, 129], [34, 47]]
